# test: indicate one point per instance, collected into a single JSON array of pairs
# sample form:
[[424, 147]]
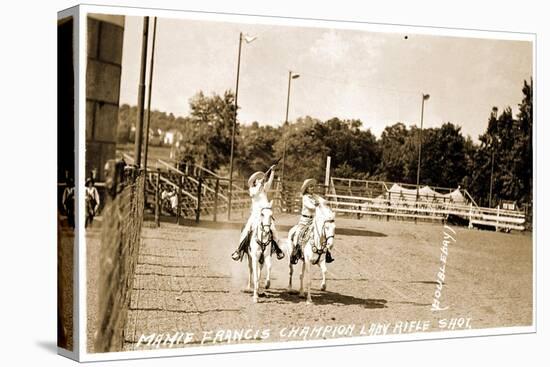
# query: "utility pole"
[[424, 98], [149, 94], [233, 130], [141, 94], [290, 77]]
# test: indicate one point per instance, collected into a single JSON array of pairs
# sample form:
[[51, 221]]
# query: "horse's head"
[[325, 222], [266, 217]]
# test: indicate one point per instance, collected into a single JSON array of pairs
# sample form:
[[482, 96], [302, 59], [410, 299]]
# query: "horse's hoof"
[[323, 287], [255, 299], [302, 295], [309, 302], [267, 284]]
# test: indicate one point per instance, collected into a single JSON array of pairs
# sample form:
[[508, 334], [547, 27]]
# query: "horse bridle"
[[322, 235], [263, 231]]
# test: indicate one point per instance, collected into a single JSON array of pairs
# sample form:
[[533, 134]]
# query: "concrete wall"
[[103, 69]]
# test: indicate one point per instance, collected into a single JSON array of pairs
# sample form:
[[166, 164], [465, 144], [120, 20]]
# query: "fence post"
[[242, 203], [199, 195], [416, 208], [180, 187], [157, 199], [389, 205], [216, 191], [470, 225]]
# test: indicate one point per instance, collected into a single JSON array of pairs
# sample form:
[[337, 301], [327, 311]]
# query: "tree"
[[256, 148], [523, 149], [444, 160], [305, 152], [356, 151], [211, 119], [510, 141], [394, 154]]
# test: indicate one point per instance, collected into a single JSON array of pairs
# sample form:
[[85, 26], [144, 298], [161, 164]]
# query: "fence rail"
[[474, 215], [208, 194]]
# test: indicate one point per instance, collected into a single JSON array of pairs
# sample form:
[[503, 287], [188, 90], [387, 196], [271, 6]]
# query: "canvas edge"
[[80, 254]]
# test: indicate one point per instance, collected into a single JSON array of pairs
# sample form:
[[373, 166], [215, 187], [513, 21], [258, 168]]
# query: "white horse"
[[259, 251], [314, 250]]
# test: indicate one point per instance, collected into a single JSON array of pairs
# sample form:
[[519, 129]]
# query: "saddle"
[[244, 246], [305, 235]]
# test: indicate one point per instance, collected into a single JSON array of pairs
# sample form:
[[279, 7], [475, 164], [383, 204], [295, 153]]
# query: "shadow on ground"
[[239, 225], [322, 298], [48, 345]]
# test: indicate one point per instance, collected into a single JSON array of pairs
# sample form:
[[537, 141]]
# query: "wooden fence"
[[374, 198], [208, 195]]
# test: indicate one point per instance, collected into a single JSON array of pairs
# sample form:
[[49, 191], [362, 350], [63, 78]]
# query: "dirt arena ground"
[[65, 268], [385, 272]]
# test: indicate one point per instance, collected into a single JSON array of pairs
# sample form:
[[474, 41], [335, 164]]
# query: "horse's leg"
[[323, 266], [268, 269], [255, 276], [302, 278], [260, 269], [308, 285], [249, 285], [289, 246], [290, 271]]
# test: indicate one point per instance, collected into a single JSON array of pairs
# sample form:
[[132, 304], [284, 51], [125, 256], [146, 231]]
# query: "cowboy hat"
[[307, 183], [255, 176]]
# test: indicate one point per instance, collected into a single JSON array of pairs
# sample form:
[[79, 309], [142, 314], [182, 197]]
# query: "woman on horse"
[[258, 188], [310, 201]]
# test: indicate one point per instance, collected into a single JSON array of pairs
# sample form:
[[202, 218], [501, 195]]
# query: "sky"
[[376, 77]]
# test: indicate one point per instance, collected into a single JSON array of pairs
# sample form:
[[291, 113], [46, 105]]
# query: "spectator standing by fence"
[[92, 201]]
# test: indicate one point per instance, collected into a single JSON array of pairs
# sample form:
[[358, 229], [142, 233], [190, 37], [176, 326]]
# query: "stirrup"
[[236, 256], [328, 258], [295, 256], [275, 248]]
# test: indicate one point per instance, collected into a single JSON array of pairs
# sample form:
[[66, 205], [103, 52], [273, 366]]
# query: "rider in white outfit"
[[310, 201], [258, 193]]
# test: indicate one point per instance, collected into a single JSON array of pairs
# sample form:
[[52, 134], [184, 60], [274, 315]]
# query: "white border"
[[308, 22], [73, 12], [283, 21], [81, 157]]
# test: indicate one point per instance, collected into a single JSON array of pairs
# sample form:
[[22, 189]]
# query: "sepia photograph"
[[265, 181]]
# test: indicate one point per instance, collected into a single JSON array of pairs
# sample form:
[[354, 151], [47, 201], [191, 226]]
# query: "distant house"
[[509, 205], [171, 137], [168, 138]]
